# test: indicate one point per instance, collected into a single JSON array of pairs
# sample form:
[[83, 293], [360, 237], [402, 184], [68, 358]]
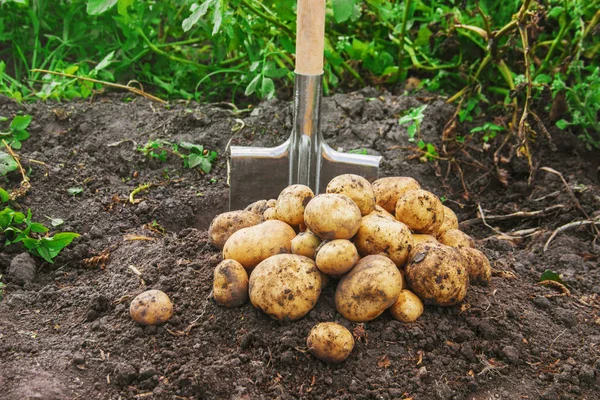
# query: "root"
[[25, 184], [573, 224], [518, 214]]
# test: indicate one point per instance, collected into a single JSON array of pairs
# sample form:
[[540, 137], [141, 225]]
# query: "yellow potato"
[[250, 246], [421, 210], [230, 285], [357, 188], [407, 308], [450, 221], [336, 257], [379, 234], [332, 216], [389, 190], [259, 207], [151, 307], [330, 342], [477, 265], [435, 273], [226, 224], [381, 211], [365, 292], [285, 286], [270, 214], [456, 238], [305, 244], [291, 203], [422, 238]]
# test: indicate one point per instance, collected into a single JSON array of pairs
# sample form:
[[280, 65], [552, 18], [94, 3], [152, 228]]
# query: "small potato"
[[230, 285], [291, 204], [357, 188], [435, 273], [422, 238], [407, 308], [477, 265], [456, 238], [258, 207], [305, 244], [285, 286], [226, 224], [250, 246], [381, 211], [389, 190], [365, 292], [270, 214], [332, 216], [450, 221], [330, 342], [336, 257], [379, 234], [421, 210], [151, 307]]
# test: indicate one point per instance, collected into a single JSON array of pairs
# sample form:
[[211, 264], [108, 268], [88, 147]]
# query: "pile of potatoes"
[[388, 244]]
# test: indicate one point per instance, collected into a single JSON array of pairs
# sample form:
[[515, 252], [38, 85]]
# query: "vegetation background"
[[532, 64]]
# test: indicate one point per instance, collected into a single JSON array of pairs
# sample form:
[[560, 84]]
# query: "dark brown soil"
[[65, 331]]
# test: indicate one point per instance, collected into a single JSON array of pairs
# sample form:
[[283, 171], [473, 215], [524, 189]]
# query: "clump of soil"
[[65, 330]]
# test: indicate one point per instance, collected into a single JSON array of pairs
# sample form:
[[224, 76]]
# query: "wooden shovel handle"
[[310, 37]]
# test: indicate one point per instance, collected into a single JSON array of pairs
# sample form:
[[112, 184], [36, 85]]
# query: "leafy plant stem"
[[171, 57], [266, 17]]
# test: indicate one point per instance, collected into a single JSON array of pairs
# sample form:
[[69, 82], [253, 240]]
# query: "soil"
[[65, 329]]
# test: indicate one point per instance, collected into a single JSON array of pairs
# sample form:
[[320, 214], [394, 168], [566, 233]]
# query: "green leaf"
[[406, 119], [95, 7], [205, 165], [267, 88], [555, 12], [20, 122], [421, 144], [217, 18], [105, 61], [44, 251], [7, 163], [251, 88], [562, 124], [58, 242], [75, 191], [37, 227], [194, 160], [342, 9], [55, 221], [19, 217], [193, 147], [543, 78], [3, 196], [21, 135], [123, 5], [198, 12], [550, 275], [412, 130]]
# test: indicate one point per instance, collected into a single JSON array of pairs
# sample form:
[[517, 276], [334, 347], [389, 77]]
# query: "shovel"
[[257, 173]]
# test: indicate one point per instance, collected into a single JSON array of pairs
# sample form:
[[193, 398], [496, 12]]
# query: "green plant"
[[193, 155], [19, 228], [429, 151], [358, 151], [17, 130], [414, 117], [489, 130]]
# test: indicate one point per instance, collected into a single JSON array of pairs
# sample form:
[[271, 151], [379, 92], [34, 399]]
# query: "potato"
[[477, 265], [450, 221], [250, 246], [422, 238], [270, 214], [305, 244], [285, 286], [259, 207], [332, 216], [151, 307], [381, 211], [456, 238], [336, 257], [330, 342], [407, 308], [226, 224], [291, 203], [357, 188], [421, 210], [230, 285], [389, 190], [435, 273], [365, 292], [379, 234]]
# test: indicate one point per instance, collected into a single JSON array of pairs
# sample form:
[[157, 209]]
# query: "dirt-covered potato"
[[336, 257], [477, 265], [270, 214], [285, 286], [407, 308], [379, 234], [250, 246], [456, 238], [435, 272], [259, 207], [357, 188], [330, 342], [421, 210], [450, 221], [305, 244], [381, 211], [226, 224], [230, 285], [389, 190], [368, 289], [151, 307], [332, 216], [422, 238], [291, 203]]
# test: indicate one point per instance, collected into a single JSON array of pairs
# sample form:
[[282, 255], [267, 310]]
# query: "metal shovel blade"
[[257, 173]]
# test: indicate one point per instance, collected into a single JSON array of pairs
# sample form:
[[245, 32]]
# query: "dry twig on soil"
[[25, 184]]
